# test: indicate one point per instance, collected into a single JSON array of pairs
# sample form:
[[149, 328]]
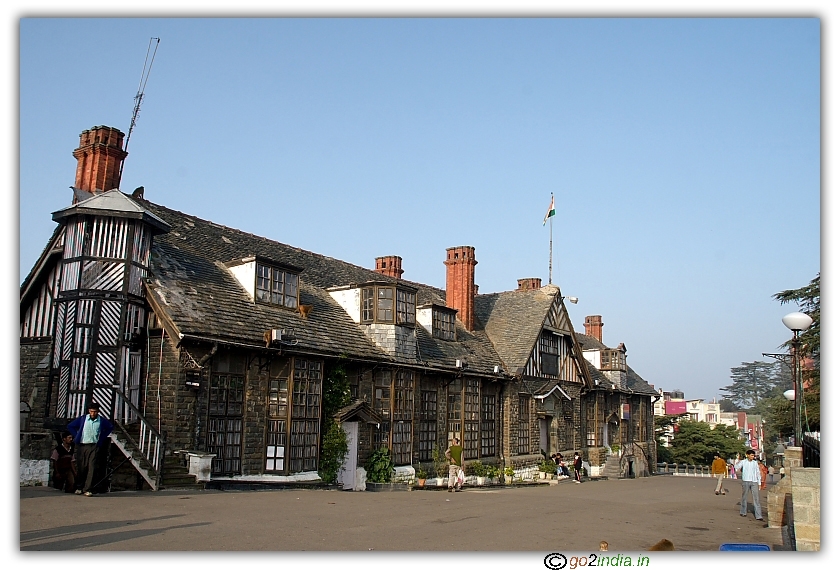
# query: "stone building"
[[198, 337], [619, 407]]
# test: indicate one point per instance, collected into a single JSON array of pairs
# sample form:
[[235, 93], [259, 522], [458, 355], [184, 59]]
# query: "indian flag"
[[550, 212]]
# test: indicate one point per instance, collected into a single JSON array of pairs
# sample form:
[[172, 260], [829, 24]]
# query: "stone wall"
[[805, 491], [34, 381], [35, 450]]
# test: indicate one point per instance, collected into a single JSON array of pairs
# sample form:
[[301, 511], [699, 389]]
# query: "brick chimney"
[[593, 325], [390, 265], [460, 283], [529, 283], [100, 155]]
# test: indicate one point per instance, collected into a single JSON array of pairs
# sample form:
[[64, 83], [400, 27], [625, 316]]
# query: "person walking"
[[719, 470], [762, 468], [453, 454], [89, 432], [578, 465], [750, 480]]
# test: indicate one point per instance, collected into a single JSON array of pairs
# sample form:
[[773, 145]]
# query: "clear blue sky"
[[679, 151]]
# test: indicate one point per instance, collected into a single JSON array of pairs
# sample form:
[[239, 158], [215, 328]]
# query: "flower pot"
[[508, 479], [421, 483], [479, 480], [542, 474], [439, 481]]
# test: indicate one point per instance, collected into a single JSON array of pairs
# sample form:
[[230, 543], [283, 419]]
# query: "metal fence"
[[683, 469]]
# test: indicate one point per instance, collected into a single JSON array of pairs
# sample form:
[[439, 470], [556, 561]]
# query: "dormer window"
[[438, 320], [443, 324], [277, 286], [613, 360], [387, 304]]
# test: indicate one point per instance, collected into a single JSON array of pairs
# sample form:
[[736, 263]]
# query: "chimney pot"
[[390, 265], [593, 327], [99, 158], [529, 283]]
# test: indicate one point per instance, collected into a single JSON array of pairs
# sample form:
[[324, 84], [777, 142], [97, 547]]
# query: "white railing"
[[151, 443]]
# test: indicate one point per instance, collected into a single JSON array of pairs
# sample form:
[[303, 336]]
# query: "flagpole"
[[550, 245]]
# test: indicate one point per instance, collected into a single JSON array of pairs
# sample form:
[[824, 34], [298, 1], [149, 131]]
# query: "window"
[[549, 353], [306, 415], [523, 437], [277, 286], [443, 324], [453, 410], [388, 305], [427, 424], [405, 307], [393, 399], [488, 426], [472, 415], [382, 404], [613, 360], [591, 425]]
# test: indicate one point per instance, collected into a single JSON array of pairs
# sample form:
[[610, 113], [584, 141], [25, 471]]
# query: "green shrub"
[[479, 469], [333, 452], [421, 473], [380, 466]]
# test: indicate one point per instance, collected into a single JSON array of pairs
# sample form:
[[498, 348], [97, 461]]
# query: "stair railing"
[[152, 444]]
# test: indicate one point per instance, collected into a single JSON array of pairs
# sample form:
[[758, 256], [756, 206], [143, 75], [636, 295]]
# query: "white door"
[[347, 473]]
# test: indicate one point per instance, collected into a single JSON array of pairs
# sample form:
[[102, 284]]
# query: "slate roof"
[[635, 383], [112, 202], [513, 321], [204, 300]]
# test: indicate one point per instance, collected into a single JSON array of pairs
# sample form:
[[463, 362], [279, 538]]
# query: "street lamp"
[[797, 322]]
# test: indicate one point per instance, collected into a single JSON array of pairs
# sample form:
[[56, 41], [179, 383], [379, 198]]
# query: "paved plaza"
[[630, 514]]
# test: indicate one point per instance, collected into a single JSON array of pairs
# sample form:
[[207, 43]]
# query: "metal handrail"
[[152, 443], [810, 451]]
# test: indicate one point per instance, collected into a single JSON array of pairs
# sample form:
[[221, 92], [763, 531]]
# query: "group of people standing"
[[753, 475], [77, 458]]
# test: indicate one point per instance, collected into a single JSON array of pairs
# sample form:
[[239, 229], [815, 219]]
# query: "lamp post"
[[797, 322]]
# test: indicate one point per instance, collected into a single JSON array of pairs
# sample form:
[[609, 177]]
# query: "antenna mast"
[[141, 91]]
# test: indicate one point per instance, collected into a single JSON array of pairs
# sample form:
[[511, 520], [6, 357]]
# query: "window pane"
[[385, 305]]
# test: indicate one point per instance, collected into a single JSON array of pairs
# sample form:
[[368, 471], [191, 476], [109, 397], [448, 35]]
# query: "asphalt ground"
[[630, 514]]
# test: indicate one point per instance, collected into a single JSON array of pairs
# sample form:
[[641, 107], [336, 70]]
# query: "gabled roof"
[[513, 320], [358, 410], [635, 383]]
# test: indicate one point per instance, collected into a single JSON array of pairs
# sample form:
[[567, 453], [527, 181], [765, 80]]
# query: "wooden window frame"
[[443, 324], [549, 354], [523, 436], [387, 304], [266, 289], [488, 425]]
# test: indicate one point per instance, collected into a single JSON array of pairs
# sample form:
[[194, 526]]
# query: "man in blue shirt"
[[89, 432], [750, 480]]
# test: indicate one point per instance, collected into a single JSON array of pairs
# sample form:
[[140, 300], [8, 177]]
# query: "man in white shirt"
[[750, 480]]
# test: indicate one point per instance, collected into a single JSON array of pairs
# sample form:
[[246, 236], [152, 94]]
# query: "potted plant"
[[492, 473], [421, 477], [547, 469], [480, 472], [508, 474]]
